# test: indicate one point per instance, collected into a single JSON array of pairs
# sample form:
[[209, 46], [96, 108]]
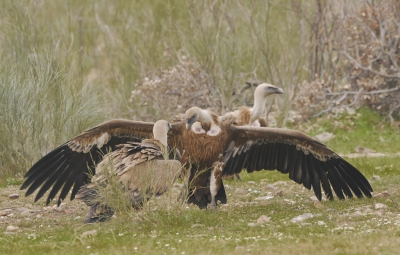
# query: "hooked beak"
[[189, 123], [279, 91]]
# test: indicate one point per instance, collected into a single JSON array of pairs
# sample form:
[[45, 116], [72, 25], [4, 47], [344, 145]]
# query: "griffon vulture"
[[306, 160], [143, 169], [247, 116], [205, 139]]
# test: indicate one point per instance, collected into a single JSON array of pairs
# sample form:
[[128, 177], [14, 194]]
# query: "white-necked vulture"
[[250, 116], [205, 140], [143, 169], [253, 116]]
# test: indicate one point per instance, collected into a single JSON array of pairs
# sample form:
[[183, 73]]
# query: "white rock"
[[89, 233], [380, 206], [324, 137], [263, 198], [376, 178], [263, 219], [321, 223], [251, 182], [240, 191], [12, 229], [13, 196], [303, 217]]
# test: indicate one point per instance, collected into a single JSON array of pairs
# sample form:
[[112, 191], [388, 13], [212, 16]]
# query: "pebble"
[[3, 213], [240, 191], [263, 219], [263, 198], [251, 182], [376, 178], [380, 206], [318, 205], [321, 223], [13, 196], [303, 217], [251, 224], [89, 233], [279, 193], [324, 137], [197, 226], [12, 229], [25, 213], [270, 186], [383, 194]]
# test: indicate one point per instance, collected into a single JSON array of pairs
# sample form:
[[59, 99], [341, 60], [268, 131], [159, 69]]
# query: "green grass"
[[159, 230], [365, 129], [68, 65]]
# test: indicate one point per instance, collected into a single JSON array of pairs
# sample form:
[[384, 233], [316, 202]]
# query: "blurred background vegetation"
[[68, 65]]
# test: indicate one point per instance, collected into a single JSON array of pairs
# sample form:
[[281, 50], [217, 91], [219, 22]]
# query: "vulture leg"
[[215, 182]]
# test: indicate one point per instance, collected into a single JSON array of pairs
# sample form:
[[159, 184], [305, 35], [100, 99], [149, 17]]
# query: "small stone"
[[251, 182], [321, 223], [363, 150], [13, 196], [3, 213], [68, 210], [380, 206], [198, 225], [318, 205], [324, 137], [270, 186], [26, 213], [241, 191], [21, 209], [376, 178], [239, 248], [383, 194], [89, 233], [263, 219], [251, 224], [12, 229], [302, 217], [279, 193], [263, 198]]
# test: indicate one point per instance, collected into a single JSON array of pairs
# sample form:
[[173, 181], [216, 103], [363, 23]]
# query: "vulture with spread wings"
[[211, 148]]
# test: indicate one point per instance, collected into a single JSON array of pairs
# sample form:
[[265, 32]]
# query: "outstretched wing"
[[69, 165], [306, 160]]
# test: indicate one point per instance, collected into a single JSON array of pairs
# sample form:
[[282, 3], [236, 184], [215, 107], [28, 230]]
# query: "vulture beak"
[[279, 91], [190, 121]]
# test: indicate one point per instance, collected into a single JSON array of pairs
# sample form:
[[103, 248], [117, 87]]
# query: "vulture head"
[[196, 114], [265, 89], [160, 131]]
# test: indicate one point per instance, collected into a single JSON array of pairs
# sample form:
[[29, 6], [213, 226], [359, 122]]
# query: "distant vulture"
[[247, 116], [250, 116], [143, 169], [212, 148]]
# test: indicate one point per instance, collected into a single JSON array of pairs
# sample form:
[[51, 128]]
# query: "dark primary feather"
[[306, 160], [69, 167]]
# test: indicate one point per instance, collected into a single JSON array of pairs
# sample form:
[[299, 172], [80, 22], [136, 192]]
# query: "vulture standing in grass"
[[212, 148], [253, 116], [143, 169]]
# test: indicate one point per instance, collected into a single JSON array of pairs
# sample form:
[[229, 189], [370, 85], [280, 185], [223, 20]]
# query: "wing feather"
[[307, 161], [70, 165]]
